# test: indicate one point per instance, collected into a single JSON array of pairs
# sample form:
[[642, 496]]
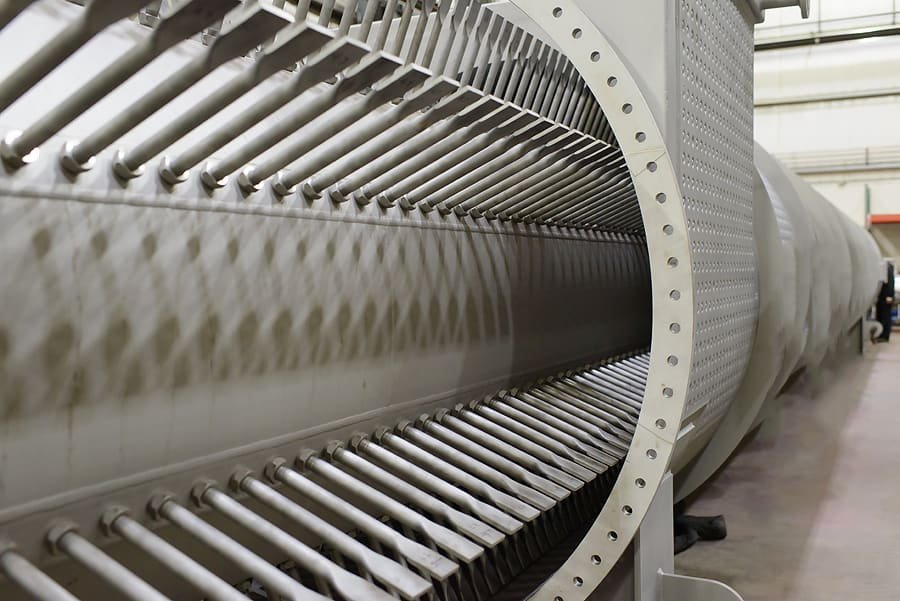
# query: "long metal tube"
[[10, 9], [500, 171], [514, 454], [381, 37], [477, 468], [369, 70], [477, 531], [256, 22], [547, 196], [291, 45], [508, 503], [386, 571], [428, 481], [338, 580], [106, 568], [373, 156], [97, 15], [272, 578], [346, 142], [542, 438], [445, 539], [535, 441], [415, 41], [402, 29], [542, 176], [536, 167], [398, 164], [332, 59], [321, 130], [603, 449], [188, 19], [495, 460], [38, 585], [486, 147], [175, 560], [429, 562]]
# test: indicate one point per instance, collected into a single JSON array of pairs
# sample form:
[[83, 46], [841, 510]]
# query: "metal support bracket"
[[654, 560], [759, 7]]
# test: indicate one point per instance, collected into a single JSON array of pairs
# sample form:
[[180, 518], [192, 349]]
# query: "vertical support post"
[[654, 559], [654, 546], [868, 205]]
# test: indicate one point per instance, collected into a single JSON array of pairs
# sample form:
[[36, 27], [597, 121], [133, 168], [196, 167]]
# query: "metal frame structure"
[[536, 265]]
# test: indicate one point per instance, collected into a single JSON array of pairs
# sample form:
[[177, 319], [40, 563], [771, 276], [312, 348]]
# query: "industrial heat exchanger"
[[374, 299]]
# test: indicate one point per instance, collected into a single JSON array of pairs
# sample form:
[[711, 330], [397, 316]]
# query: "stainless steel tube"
[[290, 46], [96, 16], [188, 19], [38, 585], [104, 567], [345, 584], [178, 562], [386, 571], [273, 579]]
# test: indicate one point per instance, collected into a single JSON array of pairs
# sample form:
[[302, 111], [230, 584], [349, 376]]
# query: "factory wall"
[[831, 111]]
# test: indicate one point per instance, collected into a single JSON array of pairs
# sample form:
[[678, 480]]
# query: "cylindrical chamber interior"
[[214, 330]]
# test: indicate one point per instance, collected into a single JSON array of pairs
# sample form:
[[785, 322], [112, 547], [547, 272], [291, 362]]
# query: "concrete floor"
[[813, 501]]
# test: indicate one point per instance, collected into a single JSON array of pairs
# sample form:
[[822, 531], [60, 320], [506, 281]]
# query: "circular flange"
[[668, 244]]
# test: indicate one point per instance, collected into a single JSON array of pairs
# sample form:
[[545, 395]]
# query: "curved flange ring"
[[668, 246]]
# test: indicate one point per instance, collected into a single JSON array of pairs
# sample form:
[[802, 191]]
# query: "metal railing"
[[818, 26], [851, 159]]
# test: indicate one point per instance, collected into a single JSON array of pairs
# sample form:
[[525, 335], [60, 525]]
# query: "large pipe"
[[612, 288]]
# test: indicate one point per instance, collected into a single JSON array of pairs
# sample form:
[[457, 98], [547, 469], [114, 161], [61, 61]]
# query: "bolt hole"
[[673, 262], [672, 360], [675, 295], [640, 136], [595, 57], [576, 33], [627, 108], [595, 559], [651, 453], [557, 12], [675, 328], [640, 483], [661, 424], [577, 581], [613, 535], [627, 510], [611, 82], [651, 167], [668, 392], [668, 230], [661, 198]]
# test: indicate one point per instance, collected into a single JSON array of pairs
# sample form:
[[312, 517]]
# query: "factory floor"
[[813, 500]]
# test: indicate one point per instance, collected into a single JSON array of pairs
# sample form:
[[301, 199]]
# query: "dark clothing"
[[884, 309]]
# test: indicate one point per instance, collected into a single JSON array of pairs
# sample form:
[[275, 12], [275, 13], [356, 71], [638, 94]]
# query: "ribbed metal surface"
[[453, 506], [453, 108]]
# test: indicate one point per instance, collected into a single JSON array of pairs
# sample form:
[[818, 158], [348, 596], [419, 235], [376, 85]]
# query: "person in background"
[[885, 307]]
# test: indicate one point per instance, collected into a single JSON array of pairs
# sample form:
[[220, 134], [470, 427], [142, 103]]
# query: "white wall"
[[828, 15], [824, 108]]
